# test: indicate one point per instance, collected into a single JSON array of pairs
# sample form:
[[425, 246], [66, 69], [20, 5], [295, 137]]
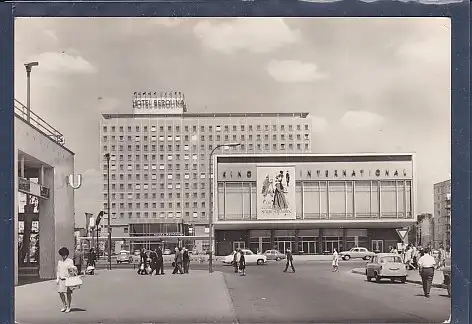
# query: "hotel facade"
[[159, 167], [312, 203], [442, 214]]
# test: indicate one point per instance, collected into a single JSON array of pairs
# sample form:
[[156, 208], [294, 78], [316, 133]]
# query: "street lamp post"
[[210, 214], [28, 67], [107, 156]]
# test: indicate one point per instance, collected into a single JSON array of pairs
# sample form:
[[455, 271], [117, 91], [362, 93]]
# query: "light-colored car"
[[124, 257], [388, 266], [249, 256], [167, 252], [275, 255], [357, 253]]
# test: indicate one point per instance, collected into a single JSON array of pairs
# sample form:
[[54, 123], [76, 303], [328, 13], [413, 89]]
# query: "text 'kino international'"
[[334, 173]]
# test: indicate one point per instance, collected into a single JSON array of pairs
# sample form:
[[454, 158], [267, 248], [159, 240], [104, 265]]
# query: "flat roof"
[[313, 157], [207, 115]]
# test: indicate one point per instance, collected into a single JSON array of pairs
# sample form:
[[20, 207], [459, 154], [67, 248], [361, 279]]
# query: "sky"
[[369, 85]]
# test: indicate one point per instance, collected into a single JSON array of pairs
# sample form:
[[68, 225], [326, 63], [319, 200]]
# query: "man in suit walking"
[[289, 261], [160, 262]]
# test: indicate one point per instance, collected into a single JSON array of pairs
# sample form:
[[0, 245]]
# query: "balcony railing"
[[39, 123]]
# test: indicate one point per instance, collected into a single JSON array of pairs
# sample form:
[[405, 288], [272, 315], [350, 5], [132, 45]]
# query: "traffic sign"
[[403, 232]]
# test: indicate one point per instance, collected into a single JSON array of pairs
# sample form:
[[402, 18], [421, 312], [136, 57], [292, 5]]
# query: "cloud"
[[51, 34], [255, 35], [293, 71], [360, 119], [107, 105], [65, 63], [318, 124], [167, 22]]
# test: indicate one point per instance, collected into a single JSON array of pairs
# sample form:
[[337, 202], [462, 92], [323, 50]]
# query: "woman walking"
[[335, 261], [65, 269]]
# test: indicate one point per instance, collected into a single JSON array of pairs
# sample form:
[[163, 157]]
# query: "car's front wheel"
[[366, 258], [403, 280], [377, 277], [260, 262], [277, 259], [346, 257]]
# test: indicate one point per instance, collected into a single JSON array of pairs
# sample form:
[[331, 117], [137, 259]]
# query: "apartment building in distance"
[[425, 230], [159, 168], [442, 214]]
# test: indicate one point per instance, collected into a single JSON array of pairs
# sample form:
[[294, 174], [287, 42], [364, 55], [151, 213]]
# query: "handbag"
[[74, 281]]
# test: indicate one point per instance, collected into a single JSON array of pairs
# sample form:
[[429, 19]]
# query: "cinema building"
[[312, 203]]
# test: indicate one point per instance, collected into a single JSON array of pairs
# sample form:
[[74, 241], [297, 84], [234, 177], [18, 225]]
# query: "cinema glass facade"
[[326, 202]]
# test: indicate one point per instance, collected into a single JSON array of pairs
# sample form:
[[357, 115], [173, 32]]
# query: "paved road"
[[315, 294]]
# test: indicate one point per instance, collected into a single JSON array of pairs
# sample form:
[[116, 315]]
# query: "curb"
[[407, 280]]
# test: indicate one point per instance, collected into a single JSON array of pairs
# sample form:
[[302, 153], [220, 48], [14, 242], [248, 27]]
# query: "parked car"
[[249, 256], [447, 276], [167, 252], [388, 266], [274, 255], [357, 253], [124, 257]]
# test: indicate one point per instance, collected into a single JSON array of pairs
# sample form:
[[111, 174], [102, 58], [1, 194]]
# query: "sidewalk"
[[122, 296], [413, 277]]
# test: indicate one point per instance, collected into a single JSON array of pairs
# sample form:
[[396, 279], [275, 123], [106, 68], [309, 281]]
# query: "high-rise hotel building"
[[159, 166]]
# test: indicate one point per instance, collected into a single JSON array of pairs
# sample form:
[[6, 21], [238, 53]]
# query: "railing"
[[21, 111]]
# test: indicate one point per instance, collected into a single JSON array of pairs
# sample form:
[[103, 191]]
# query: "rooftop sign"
[[159, 103]]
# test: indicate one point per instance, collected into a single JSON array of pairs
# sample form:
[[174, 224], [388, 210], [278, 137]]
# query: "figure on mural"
[[287, 178], [279, 197], [267, 190]]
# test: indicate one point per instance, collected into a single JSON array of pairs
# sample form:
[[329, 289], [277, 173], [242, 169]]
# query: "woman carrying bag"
[[67, 279]]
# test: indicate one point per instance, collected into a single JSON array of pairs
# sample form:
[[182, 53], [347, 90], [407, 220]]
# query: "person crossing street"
[[289, 261]]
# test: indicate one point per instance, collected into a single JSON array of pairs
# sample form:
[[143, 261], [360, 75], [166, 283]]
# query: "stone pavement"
[[414, 277], [197, 297]]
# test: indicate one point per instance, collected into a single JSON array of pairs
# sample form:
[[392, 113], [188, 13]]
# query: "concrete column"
[[41, 175], [15, 221], [272, 240], [320, 242], [22, 166], [47, 230], [297, 248], [344, 240]]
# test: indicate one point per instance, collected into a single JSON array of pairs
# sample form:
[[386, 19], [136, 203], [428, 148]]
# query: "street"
[[266, 295], [315, 294]]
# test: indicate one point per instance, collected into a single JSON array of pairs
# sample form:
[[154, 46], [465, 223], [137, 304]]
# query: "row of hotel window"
[[153, 176], [203, 128], [161, 214], [138, 196], [324, 200], [241, 147], [170, 205], [146, 186], [242, 137]]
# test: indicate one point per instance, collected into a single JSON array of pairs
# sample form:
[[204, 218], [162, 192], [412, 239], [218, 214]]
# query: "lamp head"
[[30, 65], [107, 156]]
